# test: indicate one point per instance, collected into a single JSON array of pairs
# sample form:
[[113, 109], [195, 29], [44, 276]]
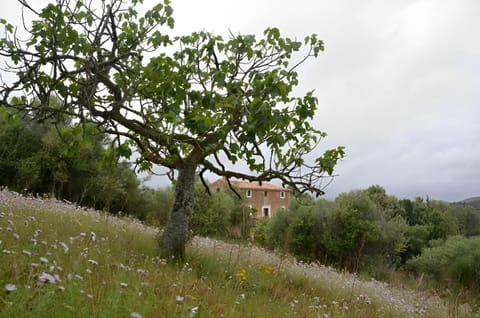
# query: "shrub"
[[211, 213], [455, 263]]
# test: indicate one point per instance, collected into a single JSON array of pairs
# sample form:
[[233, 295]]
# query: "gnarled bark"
[[175, 235]]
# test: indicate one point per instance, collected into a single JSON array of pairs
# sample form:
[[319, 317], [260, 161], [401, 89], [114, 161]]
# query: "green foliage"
[[260, 235], [68, 161], [303, 232], [456, 262], [277, 231], [349, 227], [467, 218], [212, 213], [157, 204], [207, 93]]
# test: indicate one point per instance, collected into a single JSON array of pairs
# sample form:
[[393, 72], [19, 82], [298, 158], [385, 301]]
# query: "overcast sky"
[[398, 84]]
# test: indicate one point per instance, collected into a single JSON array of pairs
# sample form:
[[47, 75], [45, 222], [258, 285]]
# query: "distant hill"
[[473, 201]]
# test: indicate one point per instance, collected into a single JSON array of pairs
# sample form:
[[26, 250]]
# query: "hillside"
[[59, 260], [474, 202]]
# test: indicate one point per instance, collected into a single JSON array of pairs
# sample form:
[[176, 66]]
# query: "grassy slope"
[[108, 267]]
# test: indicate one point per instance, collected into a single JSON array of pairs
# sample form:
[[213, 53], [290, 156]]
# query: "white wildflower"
[[65, 247], [93, 262], [179, 298], [193, 311], [10, 287]]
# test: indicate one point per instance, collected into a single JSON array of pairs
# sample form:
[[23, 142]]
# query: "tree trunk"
[[176, 232]]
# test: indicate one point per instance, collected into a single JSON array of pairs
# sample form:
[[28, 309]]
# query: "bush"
[[276, 231], [455, 263], [211, 213], [260, 232]]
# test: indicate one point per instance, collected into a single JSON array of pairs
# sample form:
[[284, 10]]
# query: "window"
[[249, 193], [266, 211], [282, 194], [266, 193]]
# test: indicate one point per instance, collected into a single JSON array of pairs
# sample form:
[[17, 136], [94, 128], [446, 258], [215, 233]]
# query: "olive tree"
[[193, 104]]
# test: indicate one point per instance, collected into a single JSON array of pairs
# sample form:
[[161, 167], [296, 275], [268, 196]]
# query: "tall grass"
[[58, 260]]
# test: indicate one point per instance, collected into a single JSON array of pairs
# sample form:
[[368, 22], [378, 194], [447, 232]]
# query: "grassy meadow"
[[58, 260]]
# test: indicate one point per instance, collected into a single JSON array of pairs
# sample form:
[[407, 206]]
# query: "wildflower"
[[27, 252], [93, 262], [16, 236], [78, 277], [124, 285], [61, 288], [35, 264], [44, 278], [267, 270], [241, 274], [193, 311], [34, 241], [143, 272], [83, 234], [93, 236], [89, 271], [179, 298], [89, 296], [43, 260], [10, 287], [5, 251], [65, 247], [135, 315]]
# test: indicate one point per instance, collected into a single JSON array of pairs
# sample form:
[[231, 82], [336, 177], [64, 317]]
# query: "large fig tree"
[[193, 104]]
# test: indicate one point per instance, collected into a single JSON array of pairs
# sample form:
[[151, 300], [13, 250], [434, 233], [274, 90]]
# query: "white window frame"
[[282, 195], [269, 209], [248, 193]]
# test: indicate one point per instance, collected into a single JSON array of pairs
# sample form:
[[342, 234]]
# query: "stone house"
[[266, 198]]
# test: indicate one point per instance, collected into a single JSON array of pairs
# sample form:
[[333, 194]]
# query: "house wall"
[[267, 198], [258, 199]]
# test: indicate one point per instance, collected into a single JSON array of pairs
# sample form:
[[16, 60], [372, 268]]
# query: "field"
[[58, 260]]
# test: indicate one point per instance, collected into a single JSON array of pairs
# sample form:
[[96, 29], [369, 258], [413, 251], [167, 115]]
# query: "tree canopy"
[[193, 104]]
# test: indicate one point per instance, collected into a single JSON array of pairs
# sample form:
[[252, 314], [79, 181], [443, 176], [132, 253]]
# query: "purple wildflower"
[[46, 278]]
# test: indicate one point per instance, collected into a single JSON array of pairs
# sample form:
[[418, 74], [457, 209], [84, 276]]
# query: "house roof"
[[245, 185]]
